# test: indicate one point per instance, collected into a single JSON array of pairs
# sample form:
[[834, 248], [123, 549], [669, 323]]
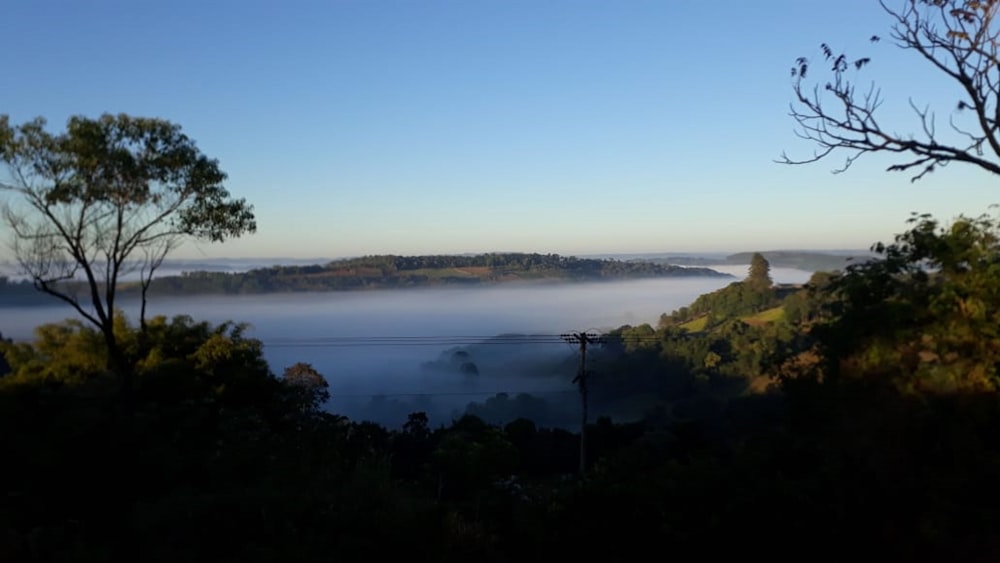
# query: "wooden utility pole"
[[583, 339]]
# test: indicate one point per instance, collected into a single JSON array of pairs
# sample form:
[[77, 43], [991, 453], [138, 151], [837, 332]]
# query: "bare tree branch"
[[959, 39], [153, 259]]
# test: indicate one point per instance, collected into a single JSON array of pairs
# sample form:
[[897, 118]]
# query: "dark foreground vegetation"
[[853, 419]]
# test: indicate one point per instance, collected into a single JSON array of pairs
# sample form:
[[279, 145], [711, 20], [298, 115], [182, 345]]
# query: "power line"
[[583, 339], [397, 341], [368, 341], [335, 395]]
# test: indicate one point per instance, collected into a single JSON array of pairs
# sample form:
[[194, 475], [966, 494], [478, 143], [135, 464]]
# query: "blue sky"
[[416, 127]]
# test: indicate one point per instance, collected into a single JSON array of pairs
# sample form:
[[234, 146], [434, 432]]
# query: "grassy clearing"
[[761, 318], [696, 325], [768, 316]]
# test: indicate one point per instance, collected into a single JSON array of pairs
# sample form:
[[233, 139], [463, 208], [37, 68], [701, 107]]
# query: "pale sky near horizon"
[[426, 127]]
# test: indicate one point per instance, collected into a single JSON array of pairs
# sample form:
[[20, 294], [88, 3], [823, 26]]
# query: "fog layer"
[[351, 337]]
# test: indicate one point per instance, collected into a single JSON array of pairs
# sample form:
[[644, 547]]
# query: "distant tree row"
[[380, 272], [386, 272], [514, 262]]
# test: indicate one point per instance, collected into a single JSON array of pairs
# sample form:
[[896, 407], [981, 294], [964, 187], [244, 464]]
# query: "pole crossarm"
[[583, 339]]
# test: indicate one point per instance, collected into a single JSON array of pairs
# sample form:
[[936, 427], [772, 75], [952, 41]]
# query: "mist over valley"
[[387, 353]]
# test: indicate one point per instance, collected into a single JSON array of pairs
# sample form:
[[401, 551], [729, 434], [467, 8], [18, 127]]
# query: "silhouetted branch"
[[957, 38]]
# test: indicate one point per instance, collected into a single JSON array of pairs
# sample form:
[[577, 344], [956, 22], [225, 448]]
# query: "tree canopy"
[[106, 198], [760, 271], [923, 318]]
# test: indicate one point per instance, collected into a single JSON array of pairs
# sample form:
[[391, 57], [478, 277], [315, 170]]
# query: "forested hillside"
[[384, 272]]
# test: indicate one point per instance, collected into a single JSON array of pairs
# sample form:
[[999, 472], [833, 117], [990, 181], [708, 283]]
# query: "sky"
[[361, 127]]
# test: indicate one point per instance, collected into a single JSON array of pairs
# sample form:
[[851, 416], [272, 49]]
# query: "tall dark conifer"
[[760, 271]]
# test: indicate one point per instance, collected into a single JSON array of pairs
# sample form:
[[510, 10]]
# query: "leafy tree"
[[760, 271], [109, 197], [959, 38], [807, 304], [309, 384], [181, 359], [924, 318], [64, 353]]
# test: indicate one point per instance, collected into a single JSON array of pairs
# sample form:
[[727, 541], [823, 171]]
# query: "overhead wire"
[[457, 393], [437, 340], [374, 341], [357, 341]]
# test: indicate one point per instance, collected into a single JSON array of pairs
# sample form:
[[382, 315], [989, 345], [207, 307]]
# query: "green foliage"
[[143, 167], [738, 299], [108, 197], [310, 387], [760, 271], [64, 353], [176, 358], [695, 325], [767, 316], [924, 317], [810, 303]]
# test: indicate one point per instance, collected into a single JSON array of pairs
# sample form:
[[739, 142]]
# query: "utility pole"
[[583, 339]]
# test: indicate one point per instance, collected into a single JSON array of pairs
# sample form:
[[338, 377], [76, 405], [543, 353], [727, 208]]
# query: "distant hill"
[[798, 259], [388, 272], [802, 260], [391, 271]]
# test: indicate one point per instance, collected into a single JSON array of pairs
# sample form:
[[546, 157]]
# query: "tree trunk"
[[118, 363]]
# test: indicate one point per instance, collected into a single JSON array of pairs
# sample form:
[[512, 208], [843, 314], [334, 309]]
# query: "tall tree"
[[760, 271], [958, 38], [109, 197], [310, 387]]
